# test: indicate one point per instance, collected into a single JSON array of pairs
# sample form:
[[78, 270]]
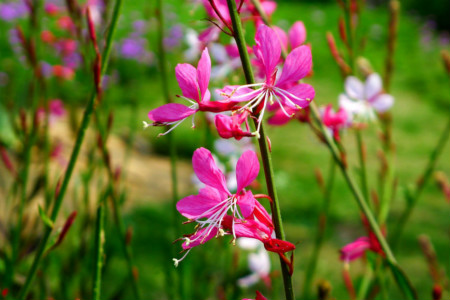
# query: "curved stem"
[[401, 278], [263, 145], [73, 158]]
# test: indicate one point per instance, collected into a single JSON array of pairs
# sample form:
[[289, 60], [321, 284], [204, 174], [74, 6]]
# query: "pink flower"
[[361, 99], [355, 249], [56, 111], [230, 126], [218, 212], [295, 37], [259, 296], [335, 121], [211, 206], [284, 91], [194, 87]]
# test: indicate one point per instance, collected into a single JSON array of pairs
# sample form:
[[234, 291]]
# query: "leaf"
[[45, 218], [7, 135], [403, 282]]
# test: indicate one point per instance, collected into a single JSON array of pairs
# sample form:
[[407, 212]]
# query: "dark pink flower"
[[259, 296], [216, 210], [285, 91], [335, 121], [231, 126], [194, 87], [355, 249]]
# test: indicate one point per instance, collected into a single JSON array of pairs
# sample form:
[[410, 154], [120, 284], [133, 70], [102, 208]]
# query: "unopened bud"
[[364, 66], [324, 290], [437, 292], [342, 31], [7, 160]]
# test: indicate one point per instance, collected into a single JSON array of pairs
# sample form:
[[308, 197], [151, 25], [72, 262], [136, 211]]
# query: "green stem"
[[422, 182], [398, 274], [350, 37], [73, 158], [263, 145], [162, 62], [362, 164], [321, 228], [98, 247]]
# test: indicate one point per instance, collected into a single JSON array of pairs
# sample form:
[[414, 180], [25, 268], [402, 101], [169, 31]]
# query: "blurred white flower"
[[258, 263], [363, 99]]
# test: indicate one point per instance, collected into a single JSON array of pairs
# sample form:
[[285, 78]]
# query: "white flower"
[[363, 99]]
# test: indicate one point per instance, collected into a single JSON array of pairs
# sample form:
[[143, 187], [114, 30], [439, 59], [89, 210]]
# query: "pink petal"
[[251, 229], [373, 86], [282, 36], [207, 171], [267, 49], [171, 112], [204, 73], [354, 88], [297, 34], [246, 203], [269, 7], [301, 94], [247, 169], [279, 118], [298, 64], [199, 206], [355, 249], [232, 93], [187, 80]]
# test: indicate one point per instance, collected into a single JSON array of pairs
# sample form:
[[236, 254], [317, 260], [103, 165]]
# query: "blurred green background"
[[421, 90]]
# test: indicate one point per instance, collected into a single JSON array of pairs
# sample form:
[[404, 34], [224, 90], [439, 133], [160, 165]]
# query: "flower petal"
[[373, 86], [247, 169], [298, 64], [267, 49], [246, 203], [355, 249], [186, 76], [207, 171], [171, 112], [382, 103], [200, 206], [204, 73], [297, 34], [282, 36], [301, 94], [279, 118], [354, 88]]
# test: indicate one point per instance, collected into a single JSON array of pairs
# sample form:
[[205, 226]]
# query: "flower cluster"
[[283, 92]]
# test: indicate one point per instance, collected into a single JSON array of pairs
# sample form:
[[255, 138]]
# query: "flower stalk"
[[263, 146], [400, 277], [73, 158]]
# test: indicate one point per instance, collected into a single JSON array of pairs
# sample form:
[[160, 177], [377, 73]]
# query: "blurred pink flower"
[[259, 296], [335, 121], [230, 126], [56, 111], [355, 249]]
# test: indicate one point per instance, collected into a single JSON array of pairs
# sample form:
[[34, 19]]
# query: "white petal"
[[373, 86], [248, 243], [218, 52], [351, 106], [259, 262], [354, 88], [382, 103], [248, 281]]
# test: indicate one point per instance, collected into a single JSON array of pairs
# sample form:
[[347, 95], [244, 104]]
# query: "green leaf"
[[7, 135], [45, 218], [403, 282]]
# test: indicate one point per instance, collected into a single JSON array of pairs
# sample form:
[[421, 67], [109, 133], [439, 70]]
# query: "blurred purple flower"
[[46, 69], [140, 26], [13, 10], [72, 60], [134, 48], [174, 37], [444, 39]]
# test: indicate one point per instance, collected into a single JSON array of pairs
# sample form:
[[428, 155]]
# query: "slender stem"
[[362, 164], [176, 230], [263, 145], [350, 36], [321, 229], [398, 274], [73, 158], [422, 182], [98, 247]]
